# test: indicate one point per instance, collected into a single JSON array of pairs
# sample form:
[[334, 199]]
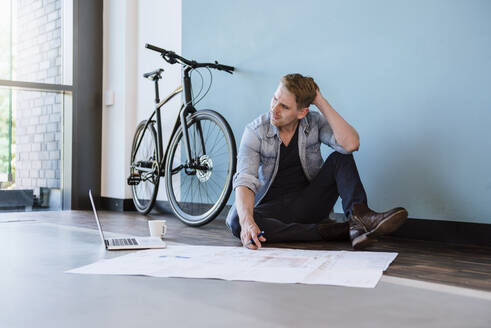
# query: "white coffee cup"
[[158, 228]]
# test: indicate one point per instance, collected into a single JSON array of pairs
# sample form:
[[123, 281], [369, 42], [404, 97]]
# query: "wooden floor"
[[457, 265]]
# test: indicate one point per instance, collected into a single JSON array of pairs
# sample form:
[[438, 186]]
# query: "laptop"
[[126, 242]]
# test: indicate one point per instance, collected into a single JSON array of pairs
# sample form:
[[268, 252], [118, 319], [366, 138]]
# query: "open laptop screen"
[[101, 233]]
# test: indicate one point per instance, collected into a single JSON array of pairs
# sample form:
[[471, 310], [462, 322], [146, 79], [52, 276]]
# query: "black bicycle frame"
[[186, 108]]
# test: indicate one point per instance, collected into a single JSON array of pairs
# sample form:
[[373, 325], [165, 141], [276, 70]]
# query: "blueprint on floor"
[[273, 265]]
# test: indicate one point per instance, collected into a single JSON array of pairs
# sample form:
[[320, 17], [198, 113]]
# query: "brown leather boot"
[[366, 225]]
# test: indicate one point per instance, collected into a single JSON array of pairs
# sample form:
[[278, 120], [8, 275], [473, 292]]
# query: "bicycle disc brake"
[[204, 175]]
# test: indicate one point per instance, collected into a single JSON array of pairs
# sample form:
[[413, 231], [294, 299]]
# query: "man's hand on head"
[[250, 230], [318, 98]]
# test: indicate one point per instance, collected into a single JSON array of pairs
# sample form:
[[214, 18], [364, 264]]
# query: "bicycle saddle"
[[154, 75]]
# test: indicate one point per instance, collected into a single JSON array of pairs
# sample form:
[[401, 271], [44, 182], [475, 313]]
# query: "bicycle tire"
[[145, 192], [193, 196]]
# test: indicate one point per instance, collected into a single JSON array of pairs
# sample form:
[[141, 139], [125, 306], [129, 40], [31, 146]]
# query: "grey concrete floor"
[[35, 292]]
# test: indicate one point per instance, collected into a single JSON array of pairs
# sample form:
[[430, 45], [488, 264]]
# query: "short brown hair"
[[303, 87]]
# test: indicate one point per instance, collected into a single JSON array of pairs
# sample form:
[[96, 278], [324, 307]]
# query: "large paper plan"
[[274, 265]]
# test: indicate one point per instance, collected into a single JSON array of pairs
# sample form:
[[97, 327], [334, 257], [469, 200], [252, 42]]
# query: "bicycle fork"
[[191, 163]]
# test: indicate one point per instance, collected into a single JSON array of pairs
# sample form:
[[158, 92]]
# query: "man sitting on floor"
[[284, 188]]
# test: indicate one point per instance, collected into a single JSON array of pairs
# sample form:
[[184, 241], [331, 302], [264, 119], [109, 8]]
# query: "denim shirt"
[[259, 152]]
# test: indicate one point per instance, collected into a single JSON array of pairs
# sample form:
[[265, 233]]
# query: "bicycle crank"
[[144, 170]]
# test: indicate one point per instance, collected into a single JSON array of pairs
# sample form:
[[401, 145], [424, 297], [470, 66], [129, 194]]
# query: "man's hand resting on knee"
[[250, 230]]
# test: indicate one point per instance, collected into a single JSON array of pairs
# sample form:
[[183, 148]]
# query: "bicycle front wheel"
[[198, 190], [144, 168]]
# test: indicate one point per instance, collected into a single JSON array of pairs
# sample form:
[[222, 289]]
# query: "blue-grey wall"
[[413, 77]]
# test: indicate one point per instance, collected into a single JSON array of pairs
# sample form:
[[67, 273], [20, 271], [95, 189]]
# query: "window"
[[36, 86]]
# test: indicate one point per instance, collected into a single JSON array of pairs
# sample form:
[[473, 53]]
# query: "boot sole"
[[363, 241], [389, 225]]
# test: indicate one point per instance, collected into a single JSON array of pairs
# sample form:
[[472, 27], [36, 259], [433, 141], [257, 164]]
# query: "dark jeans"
[[295, 216]]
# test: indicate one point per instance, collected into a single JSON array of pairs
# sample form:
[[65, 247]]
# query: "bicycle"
[[199, 160]]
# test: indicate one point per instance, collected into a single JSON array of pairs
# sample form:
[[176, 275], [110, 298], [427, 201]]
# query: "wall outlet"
[[108, 98]]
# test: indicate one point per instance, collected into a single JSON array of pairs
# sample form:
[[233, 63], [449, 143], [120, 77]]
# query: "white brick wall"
[[37, 58]]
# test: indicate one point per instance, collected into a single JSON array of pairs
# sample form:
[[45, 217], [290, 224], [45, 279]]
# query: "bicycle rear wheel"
[[144, 168], [198, 191]]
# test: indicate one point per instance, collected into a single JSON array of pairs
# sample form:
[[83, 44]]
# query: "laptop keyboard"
[[124, 241]]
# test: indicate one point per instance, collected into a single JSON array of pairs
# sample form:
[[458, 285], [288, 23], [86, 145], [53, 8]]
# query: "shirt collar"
[[273, 130]]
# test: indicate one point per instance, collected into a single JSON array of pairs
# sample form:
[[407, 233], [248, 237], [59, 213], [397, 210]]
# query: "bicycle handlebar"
[[172, 58]]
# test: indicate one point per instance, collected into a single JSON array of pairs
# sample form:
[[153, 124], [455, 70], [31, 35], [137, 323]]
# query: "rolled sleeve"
[[248, 181], [248, 161], [326, 135]]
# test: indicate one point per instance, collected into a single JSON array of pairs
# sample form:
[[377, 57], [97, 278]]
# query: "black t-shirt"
[[290, 176]]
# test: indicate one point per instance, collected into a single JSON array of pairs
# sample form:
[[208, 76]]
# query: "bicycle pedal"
[[134, 180]]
